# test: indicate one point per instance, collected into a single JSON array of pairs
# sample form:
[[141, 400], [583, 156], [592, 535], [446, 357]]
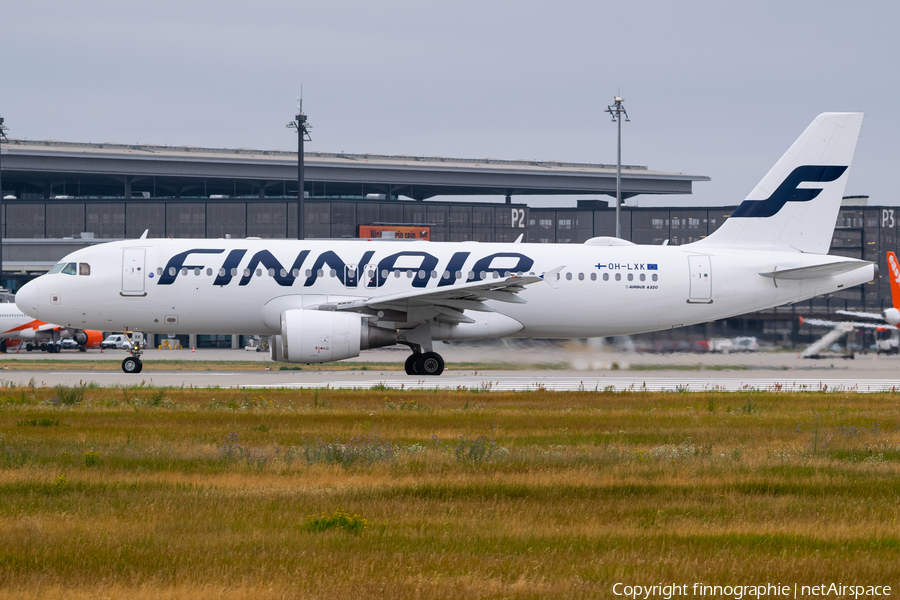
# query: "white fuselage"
[[223, 286]]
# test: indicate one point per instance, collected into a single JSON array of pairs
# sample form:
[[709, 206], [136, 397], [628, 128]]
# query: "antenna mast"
[[303, 128]]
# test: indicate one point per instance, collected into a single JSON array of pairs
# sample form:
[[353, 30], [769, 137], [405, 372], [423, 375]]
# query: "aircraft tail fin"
[[795, 206], [892, 315], [894, 274]]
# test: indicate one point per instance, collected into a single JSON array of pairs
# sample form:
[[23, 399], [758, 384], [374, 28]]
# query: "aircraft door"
[[701, 279], [133, 271]]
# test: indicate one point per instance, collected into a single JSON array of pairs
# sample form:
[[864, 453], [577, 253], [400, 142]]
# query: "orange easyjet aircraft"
[[16, 327]]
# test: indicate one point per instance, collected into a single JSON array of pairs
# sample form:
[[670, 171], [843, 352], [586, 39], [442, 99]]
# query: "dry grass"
[[209, 493]]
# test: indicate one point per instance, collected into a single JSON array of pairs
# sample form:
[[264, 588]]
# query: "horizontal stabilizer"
[[816, 271]]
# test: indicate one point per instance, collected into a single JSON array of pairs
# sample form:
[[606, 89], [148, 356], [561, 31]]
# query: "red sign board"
[[395, 232]]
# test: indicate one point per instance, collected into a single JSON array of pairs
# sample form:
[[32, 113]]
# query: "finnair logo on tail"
[[788, 191]]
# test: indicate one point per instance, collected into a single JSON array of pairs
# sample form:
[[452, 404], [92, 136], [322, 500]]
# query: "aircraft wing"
[[861, 315], [448, 304], [845, 324]]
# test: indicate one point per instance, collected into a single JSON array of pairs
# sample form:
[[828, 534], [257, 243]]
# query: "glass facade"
[[65, 219]]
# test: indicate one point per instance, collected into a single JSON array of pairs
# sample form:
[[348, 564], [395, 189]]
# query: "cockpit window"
[[57, 268], [84, 269], [69, 269]]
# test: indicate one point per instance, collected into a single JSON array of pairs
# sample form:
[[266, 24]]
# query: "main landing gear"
[[424, 363], [133, 363]]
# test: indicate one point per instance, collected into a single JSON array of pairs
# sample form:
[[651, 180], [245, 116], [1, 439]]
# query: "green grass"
[[169, 492]]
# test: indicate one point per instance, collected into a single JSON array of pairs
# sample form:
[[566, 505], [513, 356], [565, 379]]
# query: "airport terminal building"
[[60, 196]]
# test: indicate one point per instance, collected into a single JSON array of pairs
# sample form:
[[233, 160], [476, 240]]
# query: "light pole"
[[2, 220], [303, 128], [617, 110]]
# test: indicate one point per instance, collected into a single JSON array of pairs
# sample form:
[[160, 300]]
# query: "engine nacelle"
[[316, 336], [892, 315], [89, 338]]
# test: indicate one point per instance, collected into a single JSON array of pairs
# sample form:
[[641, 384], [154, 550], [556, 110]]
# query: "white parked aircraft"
[[892, 314], [885, 324], [324, 300]]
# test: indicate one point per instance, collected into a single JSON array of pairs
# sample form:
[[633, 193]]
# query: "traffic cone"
[[193, 349]]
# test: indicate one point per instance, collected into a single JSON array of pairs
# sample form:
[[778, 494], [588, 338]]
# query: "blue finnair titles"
[[423, 264]]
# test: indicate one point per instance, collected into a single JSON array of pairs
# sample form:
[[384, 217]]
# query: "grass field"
[[184, 493]]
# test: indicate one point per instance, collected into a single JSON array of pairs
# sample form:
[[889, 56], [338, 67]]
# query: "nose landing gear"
[[133, 363]]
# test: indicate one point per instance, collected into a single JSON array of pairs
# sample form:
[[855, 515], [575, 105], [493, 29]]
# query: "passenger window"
[[184, 270], [69, 269], [654, 278], [259, 272], [196, 271], [643, 277], [630, 277], [568, 277], [593, 277], [172, 271], [272, 272], [222, 272], [581, 277], [159, 270], [618, 277], [606, 277], [57, 268], [84, 269], [208, 272]]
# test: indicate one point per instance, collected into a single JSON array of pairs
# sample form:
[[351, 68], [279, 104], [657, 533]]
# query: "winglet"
[[519, 239], [551, 275], [144, 235]]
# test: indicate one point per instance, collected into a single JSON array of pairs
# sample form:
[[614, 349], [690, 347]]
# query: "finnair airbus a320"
[[325, 300]]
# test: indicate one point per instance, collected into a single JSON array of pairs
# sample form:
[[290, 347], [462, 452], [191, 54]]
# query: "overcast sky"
[[712, 88]]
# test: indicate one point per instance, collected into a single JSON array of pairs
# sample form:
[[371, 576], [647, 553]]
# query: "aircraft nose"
[[27, 299]]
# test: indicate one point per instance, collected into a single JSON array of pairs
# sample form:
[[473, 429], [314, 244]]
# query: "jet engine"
[[89, 338], [314, 336], [892, 316]]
